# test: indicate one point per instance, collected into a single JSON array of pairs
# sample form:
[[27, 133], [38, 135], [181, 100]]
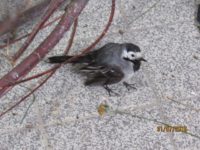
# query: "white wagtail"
[[109, 64]]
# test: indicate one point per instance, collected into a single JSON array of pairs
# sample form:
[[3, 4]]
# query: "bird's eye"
[[132, 55]]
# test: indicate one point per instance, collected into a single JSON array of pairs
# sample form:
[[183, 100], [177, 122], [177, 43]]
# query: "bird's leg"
[[129, 86], [109, 90]]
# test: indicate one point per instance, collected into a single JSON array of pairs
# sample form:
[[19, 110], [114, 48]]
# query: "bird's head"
[[132, 53]]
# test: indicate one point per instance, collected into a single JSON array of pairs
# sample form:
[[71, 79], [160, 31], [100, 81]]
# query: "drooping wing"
[[100, 75]]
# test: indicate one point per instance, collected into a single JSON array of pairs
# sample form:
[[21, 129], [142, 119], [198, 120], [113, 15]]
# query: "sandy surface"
[[64, 114]]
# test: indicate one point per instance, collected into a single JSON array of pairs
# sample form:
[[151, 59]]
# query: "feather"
[[58, 59]]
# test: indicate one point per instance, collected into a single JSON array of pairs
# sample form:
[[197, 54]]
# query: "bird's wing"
[[58, 59], [97, 55], [87, 58], [99, 75]]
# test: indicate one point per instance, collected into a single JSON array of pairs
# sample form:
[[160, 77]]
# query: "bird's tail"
[[58, 59]]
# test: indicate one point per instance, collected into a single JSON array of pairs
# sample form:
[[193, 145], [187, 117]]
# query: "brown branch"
[[26, 96], [83, 51], [99, 38], [105, 30], [52, 7], [11, 24], [26, 35], [52, 71], [72, 12]]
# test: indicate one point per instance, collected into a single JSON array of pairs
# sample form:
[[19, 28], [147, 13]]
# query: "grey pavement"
[[64, 113]]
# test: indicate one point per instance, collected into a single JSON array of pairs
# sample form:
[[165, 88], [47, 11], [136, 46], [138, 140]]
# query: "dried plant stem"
[[26, 112], [105, 30], [72, 12], [24, 36], [156, 121], [12, 23], [52, 71], [84, 50], [52, 7], [26, 96]]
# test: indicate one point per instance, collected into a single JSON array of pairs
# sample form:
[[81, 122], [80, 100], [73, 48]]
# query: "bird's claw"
[[109, 90], [129, 86]]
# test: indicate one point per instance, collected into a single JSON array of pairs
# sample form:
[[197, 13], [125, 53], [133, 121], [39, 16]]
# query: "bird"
[[110, 64]]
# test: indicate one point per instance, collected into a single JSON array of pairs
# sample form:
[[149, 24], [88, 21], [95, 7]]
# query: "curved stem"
[[51, 71], [105, 30], [17, 73], [54, 4], [85, 50], [26, 96], [26, 35]]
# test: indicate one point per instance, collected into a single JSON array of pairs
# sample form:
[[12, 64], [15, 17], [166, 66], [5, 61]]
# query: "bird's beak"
[[142, 59]]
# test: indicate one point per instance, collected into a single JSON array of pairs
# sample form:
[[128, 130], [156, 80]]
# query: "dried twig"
[[105, 30], [105, 108], [52, 70], [72, 12], [26, 35], [11, 24], [51, 73], [83, 51], [26, 96], [52, 7]]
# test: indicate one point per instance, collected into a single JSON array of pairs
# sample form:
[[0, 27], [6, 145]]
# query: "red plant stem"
[[56, 66], [24, 36], [85, 50], [35, 76], [51, 71], [12, 23], [72, 37], [51, 22], [13, 41], [105, 30], [26, 96], [99, 38], [54, 4], [72, 12]]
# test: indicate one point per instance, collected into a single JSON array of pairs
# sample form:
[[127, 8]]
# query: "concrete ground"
[[64, 114]]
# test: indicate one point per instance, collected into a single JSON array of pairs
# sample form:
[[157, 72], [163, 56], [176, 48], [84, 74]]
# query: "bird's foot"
[[110, 91], [129, 86]]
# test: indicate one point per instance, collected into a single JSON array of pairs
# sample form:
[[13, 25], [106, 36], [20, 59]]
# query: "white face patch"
[[131, 55]]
